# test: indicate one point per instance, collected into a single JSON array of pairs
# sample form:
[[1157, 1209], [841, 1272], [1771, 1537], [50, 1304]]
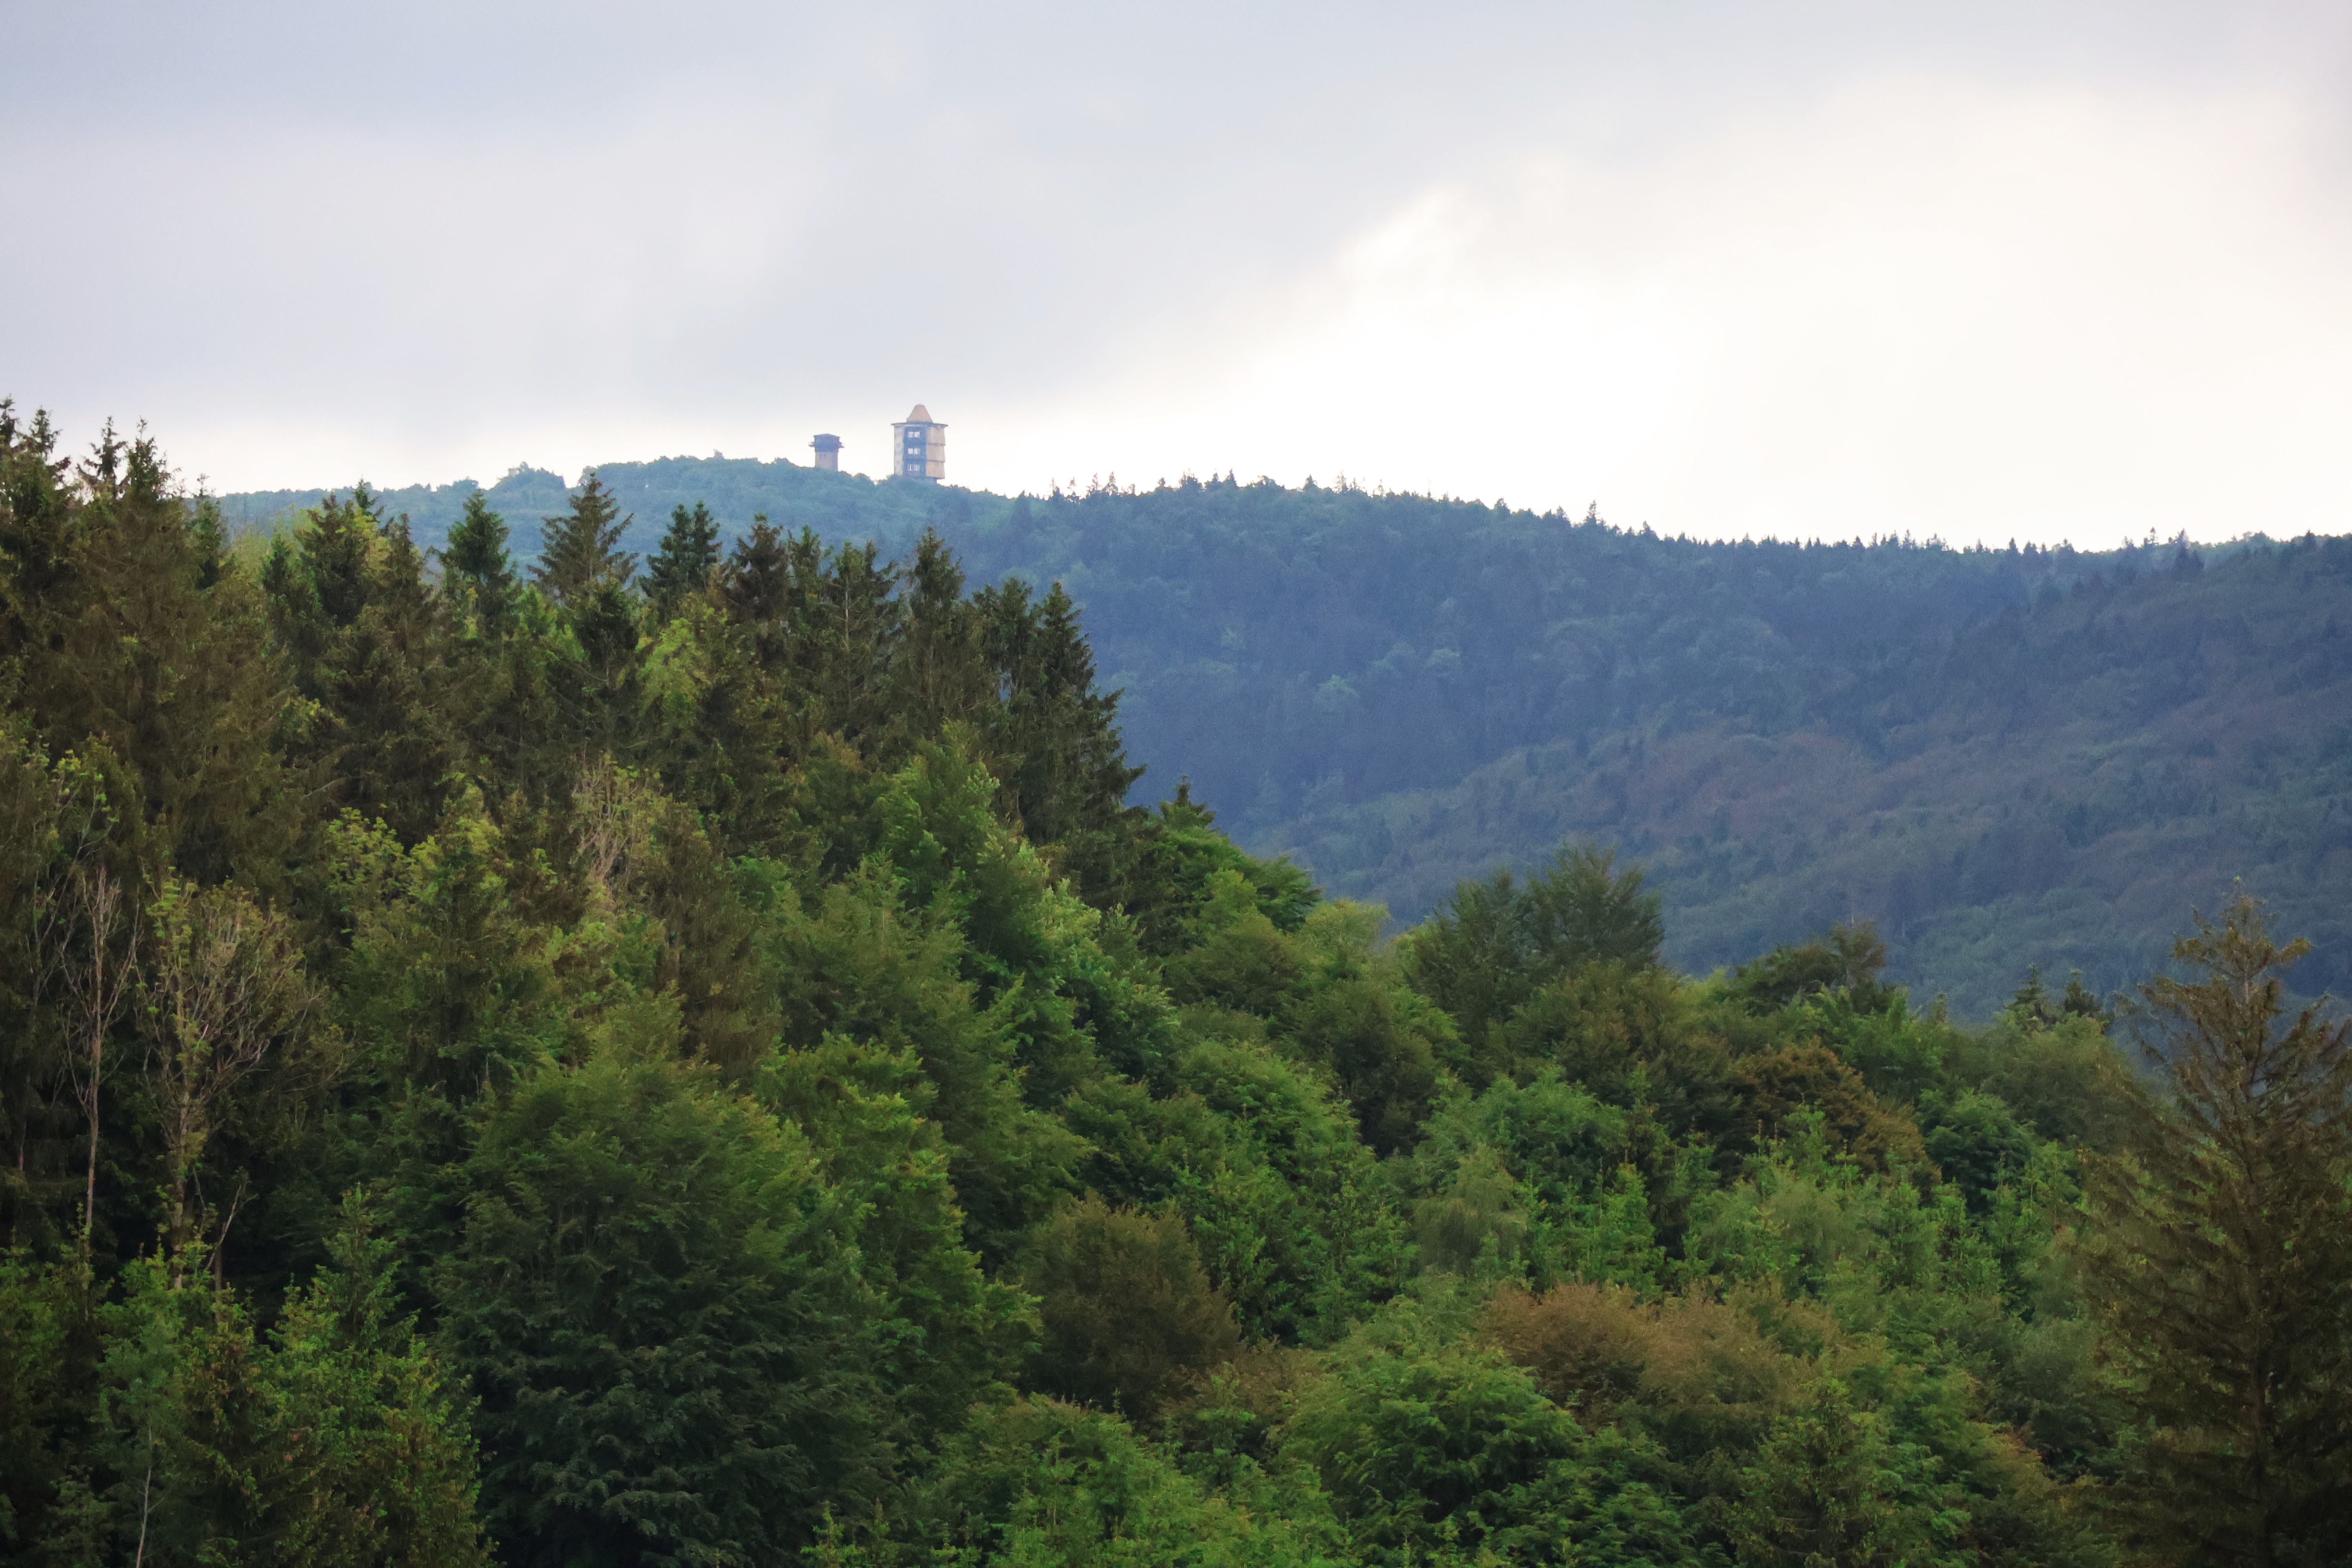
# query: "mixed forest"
[[527, 1050], [2001, 757]]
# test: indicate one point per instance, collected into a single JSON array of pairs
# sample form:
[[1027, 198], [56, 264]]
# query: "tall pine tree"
[[604, 696], [2221, 1264], [939, 676], [349, 601], [477, 577], [142, 651], [579, 550], [1057, 735], [681, 568]]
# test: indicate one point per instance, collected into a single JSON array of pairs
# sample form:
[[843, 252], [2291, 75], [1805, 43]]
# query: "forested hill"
[[622, 1063], [2004, 757], [734, 490]]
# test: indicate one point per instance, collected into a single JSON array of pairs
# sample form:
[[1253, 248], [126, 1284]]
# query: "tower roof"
[[921, 416]]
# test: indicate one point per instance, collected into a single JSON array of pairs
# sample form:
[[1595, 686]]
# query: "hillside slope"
[[2058, 788], [2005, 757]]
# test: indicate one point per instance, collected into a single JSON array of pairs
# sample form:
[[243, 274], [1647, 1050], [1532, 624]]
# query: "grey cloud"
[[437, 220]]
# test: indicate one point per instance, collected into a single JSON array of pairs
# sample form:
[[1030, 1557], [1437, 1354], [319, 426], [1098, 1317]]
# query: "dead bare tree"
[[224, 986], [88, 947], [616, 825]]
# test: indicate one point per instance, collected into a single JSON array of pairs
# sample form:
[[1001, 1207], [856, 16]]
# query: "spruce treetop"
[[580, 550]]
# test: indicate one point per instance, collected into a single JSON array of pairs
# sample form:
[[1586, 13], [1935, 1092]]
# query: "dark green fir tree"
[[581, 551], [478, 576], [681, 568]]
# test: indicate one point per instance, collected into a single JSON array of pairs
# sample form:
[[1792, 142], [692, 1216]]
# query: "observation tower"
[[919, 446]]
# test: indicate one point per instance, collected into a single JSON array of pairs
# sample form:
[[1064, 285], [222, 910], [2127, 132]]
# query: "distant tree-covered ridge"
[[2001, 757], [681, 1052]]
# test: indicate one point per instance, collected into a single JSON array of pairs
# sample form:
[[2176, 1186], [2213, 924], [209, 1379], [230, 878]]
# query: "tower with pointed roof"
[[919, 446]]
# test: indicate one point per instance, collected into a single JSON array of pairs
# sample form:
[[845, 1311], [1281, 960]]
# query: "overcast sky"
[[1981, 271]]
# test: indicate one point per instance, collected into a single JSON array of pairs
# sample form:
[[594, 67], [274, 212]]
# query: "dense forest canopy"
[[2001, 757], [694, 1060]]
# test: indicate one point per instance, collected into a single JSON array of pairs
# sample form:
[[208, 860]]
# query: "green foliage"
[[227, 1017], [1809, 1082], [950, 1335], [1977, 1142], [2067, 1081], [602, 693], [688, 553], [1494, 943], [1262, 1158], [1128, 1315], [1176, 869], [1831, 1483], [379, 1462], [477, 576], [2221, 1263], [1067, 778], [446, 987], [857, 965], [2068, 733], [1791, 1439], [1451, 1454], [1630, 1036], [756, 1036], [1849, 960], [135, 645], [348, 600], [1535, 1181], [44, 1373], [1041, 1483], [579, 554], [1341, 1007], [655, 1298], [182, 1428], [335, 1440]]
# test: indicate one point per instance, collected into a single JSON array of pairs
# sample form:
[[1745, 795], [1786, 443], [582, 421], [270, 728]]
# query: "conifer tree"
[[823, 629], [37, 524], [500, 697], [719, 1383], [681, 568], [724, 744], [757, 590], [403, 767], [135, 664], [477, 575], [2221, 1263], [710, 942], [1068, 773], [348, 599], [939, 675], [580, 551], [857, 634], [373, 1462], [604, 695]]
